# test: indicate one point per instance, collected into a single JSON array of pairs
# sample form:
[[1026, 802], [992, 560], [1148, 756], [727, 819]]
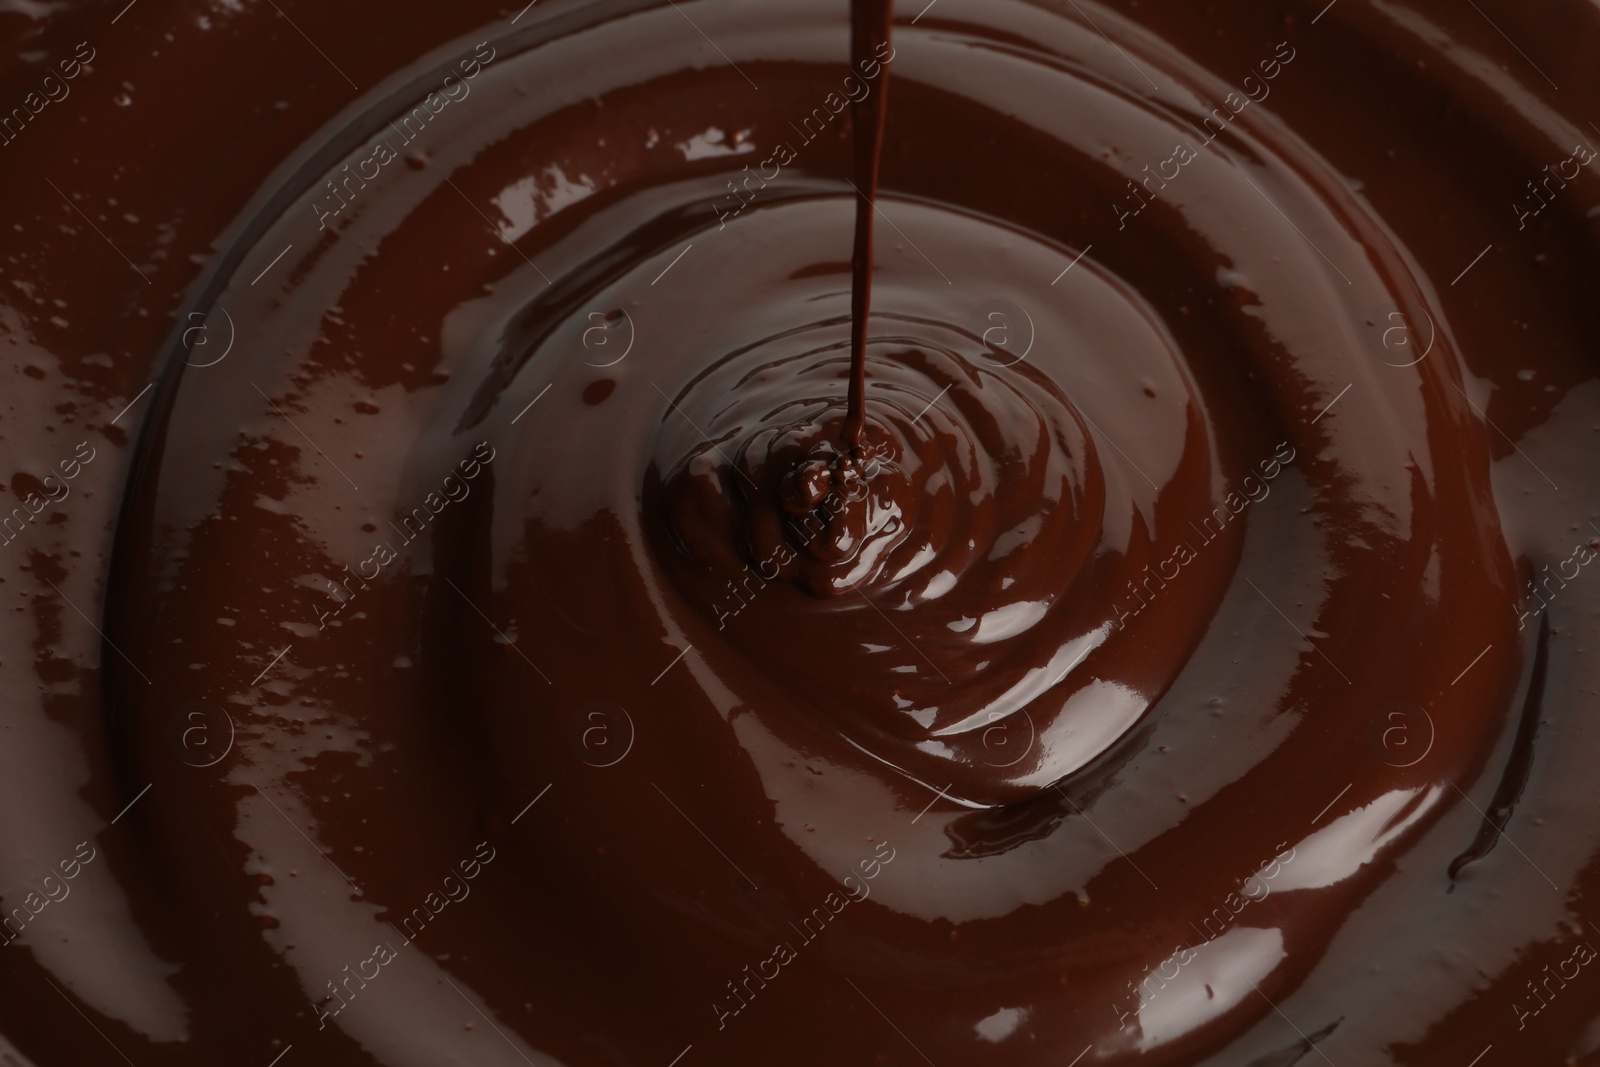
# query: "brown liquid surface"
[[529, 660]]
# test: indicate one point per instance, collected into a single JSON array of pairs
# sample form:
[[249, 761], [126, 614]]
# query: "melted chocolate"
[[508, 630], [870, 24]]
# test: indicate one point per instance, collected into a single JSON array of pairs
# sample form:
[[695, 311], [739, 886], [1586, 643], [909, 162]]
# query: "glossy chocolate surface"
[[488, 639]]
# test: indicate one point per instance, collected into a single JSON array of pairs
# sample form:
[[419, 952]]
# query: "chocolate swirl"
[[1156, 649]]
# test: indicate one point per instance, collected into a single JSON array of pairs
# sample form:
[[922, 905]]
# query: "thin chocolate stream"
[[871, 23]]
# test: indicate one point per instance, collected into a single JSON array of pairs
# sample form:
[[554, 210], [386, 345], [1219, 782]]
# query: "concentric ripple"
[[1111, 578]]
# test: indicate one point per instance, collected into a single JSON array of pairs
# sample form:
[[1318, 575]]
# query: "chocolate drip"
[[870, 27], [1519, 762]]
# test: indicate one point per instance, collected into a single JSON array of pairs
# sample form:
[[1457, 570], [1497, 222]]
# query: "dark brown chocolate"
[[500, 634]]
